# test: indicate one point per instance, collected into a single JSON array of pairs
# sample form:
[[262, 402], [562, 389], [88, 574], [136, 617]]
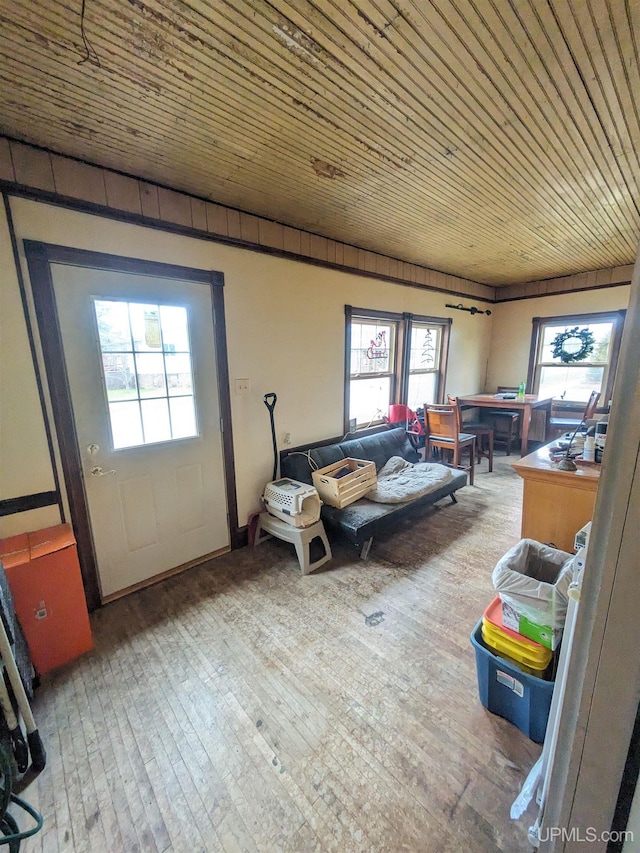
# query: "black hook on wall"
[[472, 310]]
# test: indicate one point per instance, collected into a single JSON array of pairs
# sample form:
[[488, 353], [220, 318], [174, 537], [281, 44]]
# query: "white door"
[[141, 361]]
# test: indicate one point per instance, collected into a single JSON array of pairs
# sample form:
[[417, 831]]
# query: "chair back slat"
[[442, 421], [590, 409]]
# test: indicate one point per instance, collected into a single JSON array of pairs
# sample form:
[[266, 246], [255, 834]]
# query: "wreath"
[[582, 345]]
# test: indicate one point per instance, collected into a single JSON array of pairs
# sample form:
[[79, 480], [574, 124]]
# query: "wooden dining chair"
[[443, 429], [505, 423], [558, 425], [482, 430]]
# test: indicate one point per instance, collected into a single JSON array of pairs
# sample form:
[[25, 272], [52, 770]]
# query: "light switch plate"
[[243, 387]]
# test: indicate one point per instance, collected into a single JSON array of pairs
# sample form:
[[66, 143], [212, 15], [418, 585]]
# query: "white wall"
[[285, 333], [511, 334]]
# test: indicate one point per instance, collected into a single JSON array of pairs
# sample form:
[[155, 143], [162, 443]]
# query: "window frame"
[[401, 357], [539, 325]]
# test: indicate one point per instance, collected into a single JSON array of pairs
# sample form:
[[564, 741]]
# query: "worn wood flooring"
[[243, 707]]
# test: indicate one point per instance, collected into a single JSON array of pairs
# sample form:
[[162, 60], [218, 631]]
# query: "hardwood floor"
[[242, 706]]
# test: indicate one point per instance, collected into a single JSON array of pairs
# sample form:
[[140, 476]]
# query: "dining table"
[[525, 405]]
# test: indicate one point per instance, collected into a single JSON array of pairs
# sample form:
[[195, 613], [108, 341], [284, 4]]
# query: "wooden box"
[[343, 482]]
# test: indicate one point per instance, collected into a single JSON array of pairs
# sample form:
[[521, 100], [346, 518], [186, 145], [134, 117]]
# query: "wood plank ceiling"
[[497, 141]]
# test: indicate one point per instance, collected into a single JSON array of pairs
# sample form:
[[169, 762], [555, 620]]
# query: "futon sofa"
[[361, 521]]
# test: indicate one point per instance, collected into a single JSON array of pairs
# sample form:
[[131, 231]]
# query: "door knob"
[[97, 471]]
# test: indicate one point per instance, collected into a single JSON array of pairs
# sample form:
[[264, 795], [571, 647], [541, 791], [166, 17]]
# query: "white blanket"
[[400, 481]]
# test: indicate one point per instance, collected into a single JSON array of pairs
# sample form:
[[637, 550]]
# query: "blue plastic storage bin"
[[509, 692]]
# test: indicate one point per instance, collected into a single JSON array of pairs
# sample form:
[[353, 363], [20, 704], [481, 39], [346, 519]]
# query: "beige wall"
[[285, 333], [24, 454], [511, 334]]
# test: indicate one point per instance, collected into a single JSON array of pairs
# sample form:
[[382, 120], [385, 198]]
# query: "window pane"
[[600, 331], [183, 417], [179, 374], [369, 399], [151, 375], [145, 326], [119, 376], [155, 418], [570, 382], [145, 360], [371, 348], [424, 348], [422, 389], [126, 428], [113, 325], [175, 335]]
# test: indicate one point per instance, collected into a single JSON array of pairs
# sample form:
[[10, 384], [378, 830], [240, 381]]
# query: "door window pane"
[[145, 327], [175, 335], [146, 359], [155, 420], [113, 326], [126, 426], [151, 375], [183, 417], [179, 374], [119, 376]]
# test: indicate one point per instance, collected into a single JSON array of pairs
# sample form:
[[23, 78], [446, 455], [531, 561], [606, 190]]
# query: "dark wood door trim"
[[40, 256], [51, 341]]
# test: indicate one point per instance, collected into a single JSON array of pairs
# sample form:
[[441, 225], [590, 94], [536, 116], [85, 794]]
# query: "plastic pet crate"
[[505, 690], [293, 502]]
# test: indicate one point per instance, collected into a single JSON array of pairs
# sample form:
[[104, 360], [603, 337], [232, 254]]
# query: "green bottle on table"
[[521, 390]]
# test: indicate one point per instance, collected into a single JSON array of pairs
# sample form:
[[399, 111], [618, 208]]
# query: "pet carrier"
[[291, 501]]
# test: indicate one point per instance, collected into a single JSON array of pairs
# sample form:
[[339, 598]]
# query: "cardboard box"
[[344, 482], [44, 575]]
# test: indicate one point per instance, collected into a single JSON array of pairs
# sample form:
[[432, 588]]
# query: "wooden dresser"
[[555, 504]]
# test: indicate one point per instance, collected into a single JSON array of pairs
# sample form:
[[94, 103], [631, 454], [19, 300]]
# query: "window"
[[574, 382], [392, 358], [424, 364], [146, 367]]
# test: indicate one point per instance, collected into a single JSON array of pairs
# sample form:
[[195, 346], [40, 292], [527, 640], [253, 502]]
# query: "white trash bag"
[[528, 791], [532, 581]]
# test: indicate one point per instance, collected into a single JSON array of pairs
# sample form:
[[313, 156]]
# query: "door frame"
[[40, 256]]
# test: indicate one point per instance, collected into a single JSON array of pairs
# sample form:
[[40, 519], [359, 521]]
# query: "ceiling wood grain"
[[496, 141]]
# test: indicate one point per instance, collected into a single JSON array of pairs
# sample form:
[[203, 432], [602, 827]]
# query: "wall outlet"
[[243, 387], [353, 423]]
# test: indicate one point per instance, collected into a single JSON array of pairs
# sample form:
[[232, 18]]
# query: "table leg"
[[526, 420]]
